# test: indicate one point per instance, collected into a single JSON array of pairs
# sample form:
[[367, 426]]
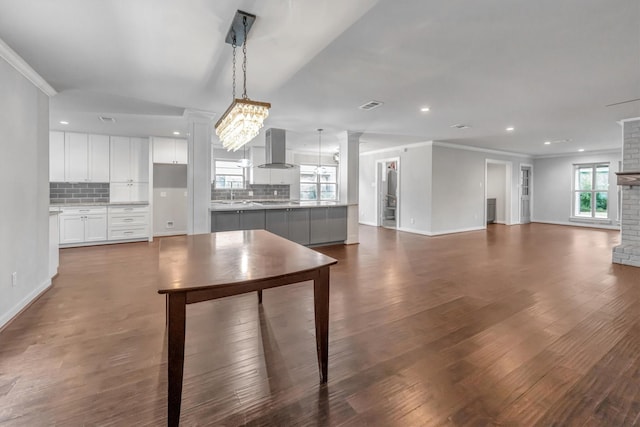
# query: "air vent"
[[105, 119], [370, 105], [460, 126], [560, 141]]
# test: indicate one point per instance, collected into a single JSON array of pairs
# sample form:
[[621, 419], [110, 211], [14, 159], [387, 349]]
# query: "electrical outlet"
[[14, 278], [185, 194], [413, 221], [163, 194], [169, 224], [250, 192], [275, 192]]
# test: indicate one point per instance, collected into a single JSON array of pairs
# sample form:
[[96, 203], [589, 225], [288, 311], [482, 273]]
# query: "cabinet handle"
[[127, 220], [128, 209], [128, 232], [84, 210]]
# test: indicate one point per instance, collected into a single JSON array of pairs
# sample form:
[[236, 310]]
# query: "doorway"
[[525, 193], [388, 192], [498, 192]]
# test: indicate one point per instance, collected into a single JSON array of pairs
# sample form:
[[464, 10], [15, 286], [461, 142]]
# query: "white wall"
[[24, 173], [414, 187], [552, 180], [496, 187], [458, 187]]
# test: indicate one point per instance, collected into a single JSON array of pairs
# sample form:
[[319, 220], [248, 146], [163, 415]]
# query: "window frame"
[[241, 173], [318, 183], [594, 190]]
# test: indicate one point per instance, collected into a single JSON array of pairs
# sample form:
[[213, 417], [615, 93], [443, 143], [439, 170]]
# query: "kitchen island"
[[308, 223]]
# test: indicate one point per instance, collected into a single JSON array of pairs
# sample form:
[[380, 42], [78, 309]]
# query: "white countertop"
[[228, 205]]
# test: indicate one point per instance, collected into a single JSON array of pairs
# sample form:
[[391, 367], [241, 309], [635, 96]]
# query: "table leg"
[[177, 315], [260, 296], [321, 308]]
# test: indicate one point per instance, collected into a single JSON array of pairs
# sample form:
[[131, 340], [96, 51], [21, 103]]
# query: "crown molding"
[[632, 119], [480, 149], [25, 69], [198, 115], [397, 148], [581, 153]]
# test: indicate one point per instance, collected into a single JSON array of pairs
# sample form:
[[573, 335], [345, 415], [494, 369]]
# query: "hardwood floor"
[[522, 325]]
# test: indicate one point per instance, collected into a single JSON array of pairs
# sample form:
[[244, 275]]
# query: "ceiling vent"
[[560, 141], [370, 105], [105, 119], [460, 126]]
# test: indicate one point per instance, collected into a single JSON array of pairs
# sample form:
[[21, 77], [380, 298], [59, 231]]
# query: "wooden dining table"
[[204, 267]]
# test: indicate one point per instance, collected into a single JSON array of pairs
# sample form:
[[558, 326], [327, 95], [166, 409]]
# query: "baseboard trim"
[[579, 224], [170, 233], [459, 230], [26, 302], [372, 224]]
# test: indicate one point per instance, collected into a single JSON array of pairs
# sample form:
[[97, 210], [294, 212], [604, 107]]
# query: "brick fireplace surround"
[[629, 250]]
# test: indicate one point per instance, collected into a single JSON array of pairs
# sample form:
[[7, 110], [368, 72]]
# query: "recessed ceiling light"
[[510, 129], [424, 109], [547, 143], [581, 149], [176, 132], [64, 122]]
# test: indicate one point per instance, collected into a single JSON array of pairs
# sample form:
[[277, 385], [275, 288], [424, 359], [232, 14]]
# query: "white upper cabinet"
[[56, 156], [129, 159], [169, 150], [99, 158], [78, 157]]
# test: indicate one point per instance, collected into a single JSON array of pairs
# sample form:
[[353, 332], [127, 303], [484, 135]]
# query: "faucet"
[[231, 193]]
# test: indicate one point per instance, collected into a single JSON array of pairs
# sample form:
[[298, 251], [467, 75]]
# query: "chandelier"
[[244, 118]]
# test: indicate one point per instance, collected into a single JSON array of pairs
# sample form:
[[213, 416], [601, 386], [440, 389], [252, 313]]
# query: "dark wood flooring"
[[522, 325]]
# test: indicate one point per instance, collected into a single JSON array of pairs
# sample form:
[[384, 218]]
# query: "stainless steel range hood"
[[276, 150]]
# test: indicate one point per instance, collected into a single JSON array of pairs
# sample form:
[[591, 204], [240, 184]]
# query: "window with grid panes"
[[591, 190], [319, 184], [228, 174]]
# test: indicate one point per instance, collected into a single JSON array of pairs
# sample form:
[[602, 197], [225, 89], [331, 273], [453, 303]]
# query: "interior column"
[[200, 126], [349, 175]]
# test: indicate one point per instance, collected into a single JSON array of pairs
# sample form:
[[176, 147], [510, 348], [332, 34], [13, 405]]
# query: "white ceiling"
[[546, 67]]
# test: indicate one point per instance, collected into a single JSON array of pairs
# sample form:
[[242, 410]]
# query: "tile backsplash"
[[260, 191], [83, 192]]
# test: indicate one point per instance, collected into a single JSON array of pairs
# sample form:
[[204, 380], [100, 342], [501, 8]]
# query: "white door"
[[95, 227], [164, 150], [120, 159], [76, 157], [525, 194], [99, 158], [56, 156], [139, 160], [71, 229], [120, 192]]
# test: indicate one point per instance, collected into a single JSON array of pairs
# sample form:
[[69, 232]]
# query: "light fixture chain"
[[244, 60], [234, 67]]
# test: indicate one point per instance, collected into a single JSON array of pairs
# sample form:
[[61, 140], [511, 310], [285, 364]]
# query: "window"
[[324, 183], [227, 174], [590, 191]]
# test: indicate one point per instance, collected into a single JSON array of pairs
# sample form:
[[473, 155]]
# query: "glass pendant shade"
[[241, 122]]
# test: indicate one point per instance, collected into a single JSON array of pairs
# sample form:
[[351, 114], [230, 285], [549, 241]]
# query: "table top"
[[205, 261]]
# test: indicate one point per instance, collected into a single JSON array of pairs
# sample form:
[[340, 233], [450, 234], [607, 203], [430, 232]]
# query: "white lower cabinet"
[[83, 224], [128, 222]]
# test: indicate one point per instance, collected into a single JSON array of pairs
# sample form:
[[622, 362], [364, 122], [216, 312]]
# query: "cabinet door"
[[71, 229], [182, 152], [252, 220], [139, 160], [56, 156], [76, 152], [95, 228], [119, 192], [225, 221], [99, 158], [276, 221], [119, 159], [163, 150], [337, 223], [318, 226], [139, 192], [299, 226]]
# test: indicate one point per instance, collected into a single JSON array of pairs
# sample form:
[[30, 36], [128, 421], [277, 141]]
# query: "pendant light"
[[244, 162], [244, 118], [320, 169]]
